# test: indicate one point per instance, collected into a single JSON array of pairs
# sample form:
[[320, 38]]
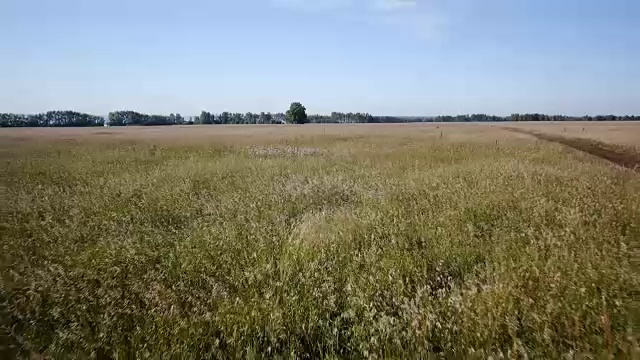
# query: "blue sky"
[[386, 57]]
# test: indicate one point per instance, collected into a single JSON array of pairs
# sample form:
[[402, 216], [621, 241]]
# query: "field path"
[[618, 154]]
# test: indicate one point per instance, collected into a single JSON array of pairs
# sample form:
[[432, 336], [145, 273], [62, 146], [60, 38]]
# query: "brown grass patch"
[[610, 132], [624, 156], [393, 241]]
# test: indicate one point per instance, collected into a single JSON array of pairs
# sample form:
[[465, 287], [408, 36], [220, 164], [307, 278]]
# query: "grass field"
[[309, 241], [623, 133]]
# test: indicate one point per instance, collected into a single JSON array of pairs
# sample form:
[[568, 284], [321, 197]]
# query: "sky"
[[384, 57]]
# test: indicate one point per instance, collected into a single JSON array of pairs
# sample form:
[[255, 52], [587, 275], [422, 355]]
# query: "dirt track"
[[620, 155]]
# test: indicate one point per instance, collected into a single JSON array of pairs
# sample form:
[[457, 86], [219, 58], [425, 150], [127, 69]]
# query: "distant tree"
[[225, 118], [206, 118], [248, 118], [297, 114], [237, 118]]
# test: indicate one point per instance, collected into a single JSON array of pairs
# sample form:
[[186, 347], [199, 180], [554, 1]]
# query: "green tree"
[[297, 114], [248, 118], [206, 118], [225, 118]]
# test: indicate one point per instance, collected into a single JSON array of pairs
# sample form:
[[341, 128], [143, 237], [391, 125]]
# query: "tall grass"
[[354, 245]]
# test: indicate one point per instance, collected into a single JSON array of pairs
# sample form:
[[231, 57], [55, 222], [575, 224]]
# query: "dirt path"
[[617, 154]]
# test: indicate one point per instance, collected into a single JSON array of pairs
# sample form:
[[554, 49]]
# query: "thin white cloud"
[[317, 5], [312, 5], [388, 5], [426, 20], [422, 19], [430, 26]]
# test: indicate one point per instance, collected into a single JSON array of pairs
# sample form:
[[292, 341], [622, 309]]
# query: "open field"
[[619, 133], [336, 240], [626, 156]]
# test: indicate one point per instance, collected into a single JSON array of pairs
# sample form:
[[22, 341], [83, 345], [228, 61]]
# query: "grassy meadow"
[[622, 133], [314, 241]]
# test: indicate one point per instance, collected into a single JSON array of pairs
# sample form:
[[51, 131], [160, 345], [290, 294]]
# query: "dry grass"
[[357, 241], [620, 133], [622, 155], [256, 134]]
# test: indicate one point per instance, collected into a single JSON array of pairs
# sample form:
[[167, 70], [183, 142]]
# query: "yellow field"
[[622, 133], [317, 241]]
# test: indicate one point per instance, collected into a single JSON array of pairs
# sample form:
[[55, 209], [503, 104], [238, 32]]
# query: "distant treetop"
[[297, 114]]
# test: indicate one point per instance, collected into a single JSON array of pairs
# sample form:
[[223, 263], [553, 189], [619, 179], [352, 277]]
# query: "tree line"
[[223, 118], [297, 114], [124, 118], [51, 119]]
